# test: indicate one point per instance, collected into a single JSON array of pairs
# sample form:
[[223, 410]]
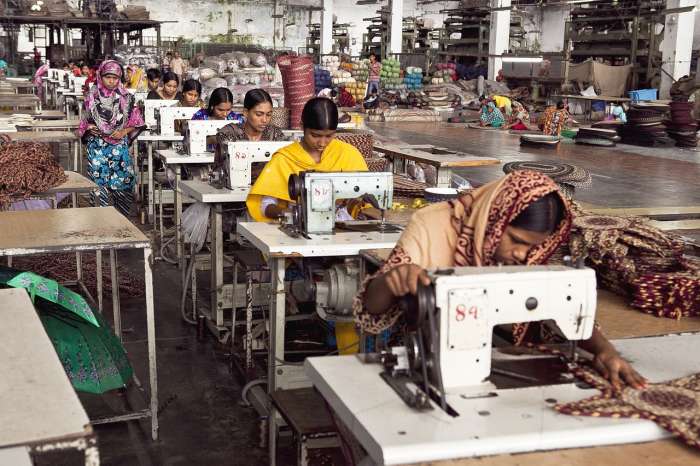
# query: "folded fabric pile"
[[568, 177], [682, 128], [597, 137], [445, 71], [413, 78], [645, 126], [27, 168], [639, 262]]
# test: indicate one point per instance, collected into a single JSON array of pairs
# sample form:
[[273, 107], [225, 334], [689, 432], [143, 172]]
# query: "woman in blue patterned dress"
[[110, 116]]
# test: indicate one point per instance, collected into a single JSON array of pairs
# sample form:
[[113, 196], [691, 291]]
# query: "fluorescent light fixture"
[[521, 59]]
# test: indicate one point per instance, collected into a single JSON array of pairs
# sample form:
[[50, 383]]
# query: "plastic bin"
[[643, 94]]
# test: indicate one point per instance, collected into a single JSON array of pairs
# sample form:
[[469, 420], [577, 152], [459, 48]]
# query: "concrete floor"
[[202, 421]]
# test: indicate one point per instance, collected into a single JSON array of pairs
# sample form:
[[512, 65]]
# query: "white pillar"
[[499, 35], [677, 44], [327, 27], [395, 26]]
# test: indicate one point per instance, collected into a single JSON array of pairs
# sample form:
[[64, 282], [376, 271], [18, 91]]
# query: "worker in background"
[[136, 78], [520, 219], [153, 77], [110, 116], [178, 66], [171, 83], [554, 118], [490, 114], [317, 151], [191, 94], [219, 107], [375, 69], [3, 67], [618, 113], [520, 118], [504, 104], [37, 58]]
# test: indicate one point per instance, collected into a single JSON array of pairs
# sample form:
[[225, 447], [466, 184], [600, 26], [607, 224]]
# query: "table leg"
[[115, 293], [151, 332], [217, 262], [151, 201], [98, 272], [76, 157], [67, 108], [178, 215], [276, 345], [92, 454], [444, 177]]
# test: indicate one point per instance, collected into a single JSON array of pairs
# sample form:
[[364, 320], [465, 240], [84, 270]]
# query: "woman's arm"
[[385, 289], [610, 364]]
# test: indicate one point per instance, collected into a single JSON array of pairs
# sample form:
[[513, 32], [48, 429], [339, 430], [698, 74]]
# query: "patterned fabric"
[[553, 121], [364, 142], [110, 165], [109, 109], [203, 114], [491, 115], [519, 112], [478, 221], [672, 405]]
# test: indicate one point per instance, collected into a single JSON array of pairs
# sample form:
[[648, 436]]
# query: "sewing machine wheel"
[[295, 186]]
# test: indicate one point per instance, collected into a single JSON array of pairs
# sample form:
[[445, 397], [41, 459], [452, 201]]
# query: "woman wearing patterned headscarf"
[[490, 114], [520, 219], [110, 115]]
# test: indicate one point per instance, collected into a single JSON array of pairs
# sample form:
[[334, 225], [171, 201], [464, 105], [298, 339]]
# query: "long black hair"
[[219, 96], [192, 85], [152, 74], [320, 113], [254, 97], [170, 76], [543, 215]]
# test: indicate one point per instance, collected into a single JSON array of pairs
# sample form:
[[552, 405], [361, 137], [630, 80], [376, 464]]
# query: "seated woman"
[[219, 107], [519, 119], [503, 103], [318, 150], [136, 78], [169, 90], [153, 75], [520, 219], [191, 95], [554, 118], [490, 115]]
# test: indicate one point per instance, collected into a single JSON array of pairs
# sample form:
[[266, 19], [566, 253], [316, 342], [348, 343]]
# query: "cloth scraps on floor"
[[27, 168]]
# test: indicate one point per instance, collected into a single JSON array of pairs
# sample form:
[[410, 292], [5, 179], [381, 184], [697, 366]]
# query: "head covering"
[[481, 216], [493, 117], [109, 109], [138, 78]]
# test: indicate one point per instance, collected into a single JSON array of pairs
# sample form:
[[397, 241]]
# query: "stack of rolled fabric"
[[568, 177], [645, 126], [637, 261], [597, 137], [682, 128]]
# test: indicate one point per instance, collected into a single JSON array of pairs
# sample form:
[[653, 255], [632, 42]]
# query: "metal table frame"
[[149, 139], [105, 229]]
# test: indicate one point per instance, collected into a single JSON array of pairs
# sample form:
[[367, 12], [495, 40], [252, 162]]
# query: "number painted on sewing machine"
[[241, 155], [468, 318], [462, 313], [321, 195]]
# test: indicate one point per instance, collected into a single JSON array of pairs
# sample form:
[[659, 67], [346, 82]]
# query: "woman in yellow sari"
[[318, 151], [136, 78]]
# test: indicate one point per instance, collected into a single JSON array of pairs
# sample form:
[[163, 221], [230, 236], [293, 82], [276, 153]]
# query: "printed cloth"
[[553, 121], [109, 165], [491, 115], [203, 114]]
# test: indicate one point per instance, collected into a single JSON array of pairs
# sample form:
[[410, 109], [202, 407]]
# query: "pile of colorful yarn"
[[447, 71], [390, 76], [413, 78]]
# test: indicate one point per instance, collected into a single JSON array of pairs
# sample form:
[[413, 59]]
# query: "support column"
[[395, 26], [327, 27], [499, 35], [677, 45]]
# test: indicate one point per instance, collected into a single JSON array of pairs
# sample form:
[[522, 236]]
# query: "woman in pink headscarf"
[[42, 71], [110, 116]]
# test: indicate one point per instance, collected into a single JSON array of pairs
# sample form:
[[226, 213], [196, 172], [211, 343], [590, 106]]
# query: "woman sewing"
[[519, 219], [257, 112], [110, 116], [318, 151], [191, 95], [169, 89], [219, 107]]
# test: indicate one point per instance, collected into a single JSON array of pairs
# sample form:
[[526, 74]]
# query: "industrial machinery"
[[238, 160], [316, 195], [196, 135], [451, 322], [166, 117], [151, 107]]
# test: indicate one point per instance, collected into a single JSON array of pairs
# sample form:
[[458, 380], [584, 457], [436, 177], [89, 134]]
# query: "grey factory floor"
[[202, 421]]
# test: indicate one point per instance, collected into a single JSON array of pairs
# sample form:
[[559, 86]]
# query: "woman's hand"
[[119, 134], [616, 369], [94, 130], [404, 279]]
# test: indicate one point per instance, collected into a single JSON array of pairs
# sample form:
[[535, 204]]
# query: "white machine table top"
[[89, 228], [517, 420], [50, 124], [204, 192], [270, 240], [171, 157], [148, 136], [38, 402]]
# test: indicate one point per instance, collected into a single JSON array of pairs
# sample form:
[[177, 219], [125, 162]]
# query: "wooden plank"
[[38, 403], [76, 183], [26, 232], [44, 136], [50, 124], [450, 159]]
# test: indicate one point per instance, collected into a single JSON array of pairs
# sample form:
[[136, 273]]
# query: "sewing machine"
[[316, 194], [435, 397], [76, 83], [152, 107], [196, 134], [166, 117], [239, 158]]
